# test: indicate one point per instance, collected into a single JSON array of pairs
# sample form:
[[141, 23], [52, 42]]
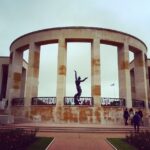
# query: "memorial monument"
[[23, 83]]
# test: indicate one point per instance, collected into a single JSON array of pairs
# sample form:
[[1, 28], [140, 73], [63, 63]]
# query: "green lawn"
[[121, 144], [40, 144]]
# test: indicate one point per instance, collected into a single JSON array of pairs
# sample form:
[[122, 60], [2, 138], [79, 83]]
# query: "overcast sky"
[[18, 17]]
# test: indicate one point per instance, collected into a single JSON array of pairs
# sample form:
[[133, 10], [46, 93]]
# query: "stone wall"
[[75, 114]]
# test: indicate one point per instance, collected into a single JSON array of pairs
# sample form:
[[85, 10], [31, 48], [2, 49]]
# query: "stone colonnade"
[[96, 36]]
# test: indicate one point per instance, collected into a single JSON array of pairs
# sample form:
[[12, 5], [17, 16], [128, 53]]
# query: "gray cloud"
[[20, 17]]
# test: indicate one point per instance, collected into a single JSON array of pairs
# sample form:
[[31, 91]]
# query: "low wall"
[[76, 114]]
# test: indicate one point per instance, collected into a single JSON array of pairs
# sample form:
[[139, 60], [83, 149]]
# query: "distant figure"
[[136, 122], [141, 117], [79, 90], [126, 116], [131, 114]]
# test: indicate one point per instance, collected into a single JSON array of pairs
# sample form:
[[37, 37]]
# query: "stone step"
[[75, 129], [18, 120], [2, 112]]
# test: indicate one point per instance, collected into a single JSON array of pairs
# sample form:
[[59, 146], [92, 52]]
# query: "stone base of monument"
[[6, 119], [71, 114], [104, 115]]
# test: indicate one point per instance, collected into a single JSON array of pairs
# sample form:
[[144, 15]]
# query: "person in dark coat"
[[126, 116], [136, 122]]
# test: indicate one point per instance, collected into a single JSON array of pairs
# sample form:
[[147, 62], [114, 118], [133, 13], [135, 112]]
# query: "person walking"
[[136, 122], [126, 116]]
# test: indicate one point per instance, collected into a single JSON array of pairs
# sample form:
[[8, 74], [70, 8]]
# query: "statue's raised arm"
[[84, 79], [76, 75]]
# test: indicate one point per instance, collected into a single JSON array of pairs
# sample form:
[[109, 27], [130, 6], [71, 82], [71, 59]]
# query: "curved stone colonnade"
[[96, 36]]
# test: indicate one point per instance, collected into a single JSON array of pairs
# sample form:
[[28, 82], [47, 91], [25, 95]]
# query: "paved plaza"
[[80, 141]]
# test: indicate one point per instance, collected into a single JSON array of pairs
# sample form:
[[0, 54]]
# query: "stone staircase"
[[71, 129], [18, 120]]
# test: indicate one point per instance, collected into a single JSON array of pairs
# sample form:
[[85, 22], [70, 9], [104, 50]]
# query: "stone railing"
[[43, 101], [106, 101], [82, 101], [138, 103], [88, 101]]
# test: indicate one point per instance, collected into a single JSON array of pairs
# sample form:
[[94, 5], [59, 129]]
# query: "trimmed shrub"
[[140, 140], [16, 139]]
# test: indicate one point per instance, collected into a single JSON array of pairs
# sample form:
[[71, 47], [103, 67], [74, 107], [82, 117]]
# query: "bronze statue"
[[78, 87]]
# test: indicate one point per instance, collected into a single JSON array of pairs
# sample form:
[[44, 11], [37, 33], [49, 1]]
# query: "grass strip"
[[121, 144], [40, 144]]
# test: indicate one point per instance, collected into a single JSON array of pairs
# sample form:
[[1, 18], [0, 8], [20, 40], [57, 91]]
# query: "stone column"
[[95, 71], [61, 71], [15, 76], [9, 79], [132, 84], [124, 74], [148, 87], [140, 77], [23, 82], [32, 73]]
